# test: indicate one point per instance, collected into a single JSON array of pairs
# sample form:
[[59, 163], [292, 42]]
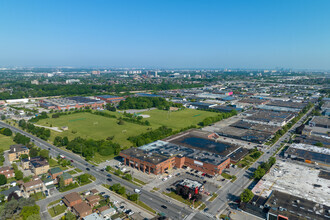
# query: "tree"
[[65, 141], [30, 210], [133, 197], [319, 144], [7, 132], [18, 175], [121, 190], [3, 117], [2, 198], [34, 152], [121, 122], [246, 195], [128, 177], [61, 183], [83, 178], [259, 173], [3, 179], [44, 154]]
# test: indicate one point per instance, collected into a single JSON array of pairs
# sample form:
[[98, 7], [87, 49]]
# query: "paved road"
[[230, 191], [153, 200]]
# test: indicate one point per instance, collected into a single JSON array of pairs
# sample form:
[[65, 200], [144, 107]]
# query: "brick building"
[[16, 151], [33, 186], [54, 172], [110, 98], [161, 156], [82, 209], [72, 199], [67, 178], [39, 165], [76, 102]]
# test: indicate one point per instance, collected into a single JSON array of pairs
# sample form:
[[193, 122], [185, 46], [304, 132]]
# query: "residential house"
[[16, 151], [93, 216], [72, 199], [94, 191], [107, 213], [10, 191], [54, 172], [93, 200], [66, 177], [82, 210], [39, 165], [7, 171], [33, 186]]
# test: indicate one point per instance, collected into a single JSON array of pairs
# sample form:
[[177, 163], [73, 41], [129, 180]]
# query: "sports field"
[[5, 142], [97, 127]]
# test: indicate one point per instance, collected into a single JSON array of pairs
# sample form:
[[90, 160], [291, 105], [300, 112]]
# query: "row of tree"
[[88, 147], [146, 102], [40, 132], [210, 120], [263, 168], [6, 131], [151, 136]]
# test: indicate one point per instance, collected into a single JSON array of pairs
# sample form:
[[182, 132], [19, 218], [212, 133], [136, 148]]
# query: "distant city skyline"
[[166, 34]]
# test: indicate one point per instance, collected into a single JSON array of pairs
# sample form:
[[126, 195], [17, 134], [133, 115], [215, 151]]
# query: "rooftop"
[[55, 170], [294, 179], [71, 197], [295, 207], [82, 207], [66, 176], [17, 148], [191, 183], [93, 216], [38, 162]]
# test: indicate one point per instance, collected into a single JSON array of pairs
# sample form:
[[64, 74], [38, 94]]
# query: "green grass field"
[[97, 127], [5, 142], [178, 119]]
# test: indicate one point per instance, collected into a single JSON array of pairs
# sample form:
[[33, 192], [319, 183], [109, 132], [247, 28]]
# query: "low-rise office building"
[[178, 151], [39, 165]]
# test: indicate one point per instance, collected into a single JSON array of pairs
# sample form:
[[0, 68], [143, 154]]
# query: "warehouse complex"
[[68, 103]]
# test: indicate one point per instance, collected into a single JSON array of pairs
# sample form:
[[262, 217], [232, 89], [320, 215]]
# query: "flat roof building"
[[308, 153]]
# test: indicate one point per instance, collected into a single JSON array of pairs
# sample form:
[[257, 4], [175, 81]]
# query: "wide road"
[[230, 191], [151, 199]]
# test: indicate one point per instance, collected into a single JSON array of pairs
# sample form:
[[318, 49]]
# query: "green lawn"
[[180, 199], [93, 126], [5, 142], [178, 119], [38, 196], [98, 127], [56, 210]]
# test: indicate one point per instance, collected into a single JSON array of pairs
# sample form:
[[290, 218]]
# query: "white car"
[[137, 190]]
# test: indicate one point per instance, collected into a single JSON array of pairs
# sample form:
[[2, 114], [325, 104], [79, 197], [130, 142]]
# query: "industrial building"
[[308, 153], [110, 98], [68, 103], [288, 104], [294, 179], [273, 118]]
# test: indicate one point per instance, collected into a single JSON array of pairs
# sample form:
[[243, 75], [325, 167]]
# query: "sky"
[[166, 33]]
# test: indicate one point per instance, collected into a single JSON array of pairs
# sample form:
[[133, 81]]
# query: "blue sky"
[[166, 33]]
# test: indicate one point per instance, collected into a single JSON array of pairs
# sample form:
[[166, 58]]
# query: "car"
[[203, 174], [102, 170], [206, 209], [204, 181], [49, 148], [97, 170], [108, 175], [178, 174], [87, 169], [93, 166], [46, 193], [164, 206], [71, 161], [128, 211], [101, 193], [109, 179], [196, 171], [137, 190], [115, 202]]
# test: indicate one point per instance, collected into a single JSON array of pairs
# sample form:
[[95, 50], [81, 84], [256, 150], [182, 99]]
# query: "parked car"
[[109, 179], [108, 175], [87, 168]]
